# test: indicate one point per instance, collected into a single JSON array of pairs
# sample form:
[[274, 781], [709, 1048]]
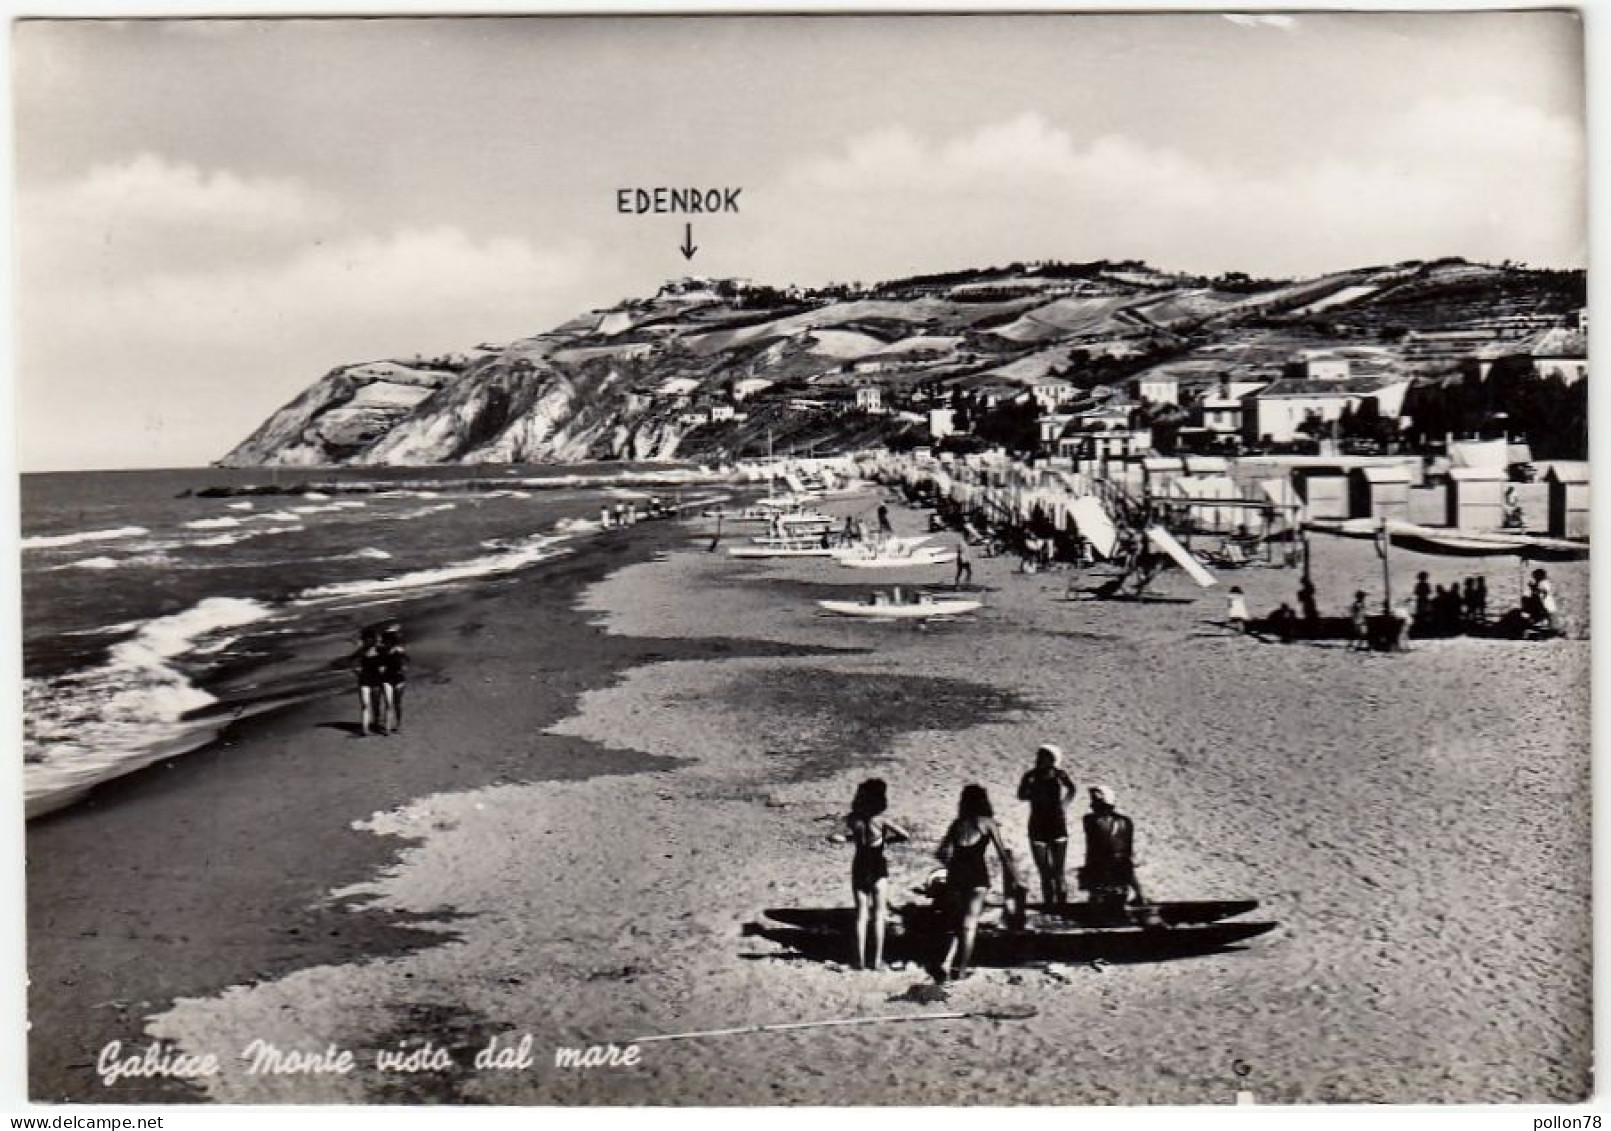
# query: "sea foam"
[[51, 541], [96, 723], [512, 556]]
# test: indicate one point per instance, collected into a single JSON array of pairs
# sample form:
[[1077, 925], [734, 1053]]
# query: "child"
[[1356, 613], [1236, 610]]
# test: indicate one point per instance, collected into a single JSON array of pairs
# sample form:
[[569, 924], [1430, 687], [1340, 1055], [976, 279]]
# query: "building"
[[1159, 388], [1222, 415], [1321, 365], [749, 386], [1280, 412], [720, 412], [870, 399], [1104, 445], [1052, 392], [1052, 427], [942, 423]]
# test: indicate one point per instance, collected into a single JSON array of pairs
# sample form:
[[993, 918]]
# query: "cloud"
[[1482, 178], [186, 357], [148, 190], [128, 220]]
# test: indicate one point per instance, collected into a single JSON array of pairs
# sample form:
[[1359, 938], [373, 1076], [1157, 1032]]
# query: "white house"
[[749, 386], [1051, 429], [942, 422], [1052, 392], [1159, 388], [721, 412], [1320, 365], [870, 398], [1279, 411], [678, 387], [1222, 415]]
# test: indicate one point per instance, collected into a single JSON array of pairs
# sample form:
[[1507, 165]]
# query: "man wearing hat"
[[1109, 874], [1048, 790]]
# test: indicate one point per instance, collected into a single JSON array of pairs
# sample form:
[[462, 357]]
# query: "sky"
[[212, 214]]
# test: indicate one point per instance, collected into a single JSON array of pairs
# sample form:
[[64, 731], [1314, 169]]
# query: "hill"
[[710, 369]]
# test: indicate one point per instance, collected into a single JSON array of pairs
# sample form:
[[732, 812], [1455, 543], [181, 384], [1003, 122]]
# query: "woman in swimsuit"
[[394, 673], [369, 663], [867, 829], [967, 874], [1048, 790]]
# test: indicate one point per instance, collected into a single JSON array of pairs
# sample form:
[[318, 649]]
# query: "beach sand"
[[590, 804]]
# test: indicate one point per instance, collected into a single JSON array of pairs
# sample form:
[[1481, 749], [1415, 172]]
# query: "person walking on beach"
[[1048, 790], [367, 662], [884, 527], [964, 567], [394, 673], [869, 832], [967, 874], [1109, 874]]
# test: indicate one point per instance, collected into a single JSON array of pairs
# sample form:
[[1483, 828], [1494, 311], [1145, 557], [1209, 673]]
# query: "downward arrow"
[[688, 247]]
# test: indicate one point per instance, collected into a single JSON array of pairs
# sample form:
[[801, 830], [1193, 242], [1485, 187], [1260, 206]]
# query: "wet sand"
[[637, 780]]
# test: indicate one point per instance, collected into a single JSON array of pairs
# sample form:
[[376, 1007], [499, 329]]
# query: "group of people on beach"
[[1434, 610], [1108, 874], [381, 663], [1444, 610]]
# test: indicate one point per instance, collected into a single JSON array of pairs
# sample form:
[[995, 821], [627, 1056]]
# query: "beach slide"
[[1164, 541]]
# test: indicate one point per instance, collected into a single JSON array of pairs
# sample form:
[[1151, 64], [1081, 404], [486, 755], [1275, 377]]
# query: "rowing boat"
[[1076, 933], [920, 610]]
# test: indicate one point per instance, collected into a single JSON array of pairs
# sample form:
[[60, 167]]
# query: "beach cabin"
[[1324, 491], [1568, 500], [1476, 498], [1379, 492]]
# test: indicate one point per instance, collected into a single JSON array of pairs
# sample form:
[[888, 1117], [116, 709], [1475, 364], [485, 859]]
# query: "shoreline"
[[102, 932]]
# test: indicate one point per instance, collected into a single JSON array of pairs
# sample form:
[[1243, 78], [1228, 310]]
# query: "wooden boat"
[[917, 610], [1076, 933], [1456, 542], [862, 557]]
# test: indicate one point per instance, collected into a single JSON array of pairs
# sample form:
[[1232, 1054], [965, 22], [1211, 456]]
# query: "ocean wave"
[[245, 505], [93, 563], [577, 526], [96, 723], [51, 541], [512, 556], [371, 553], [222, 523]]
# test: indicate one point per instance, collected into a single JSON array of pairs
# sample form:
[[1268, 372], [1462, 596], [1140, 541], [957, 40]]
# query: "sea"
[[158, 606]]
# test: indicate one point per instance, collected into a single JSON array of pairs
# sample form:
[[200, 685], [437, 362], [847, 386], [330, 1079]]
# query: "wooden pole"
[[1387, 572]]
